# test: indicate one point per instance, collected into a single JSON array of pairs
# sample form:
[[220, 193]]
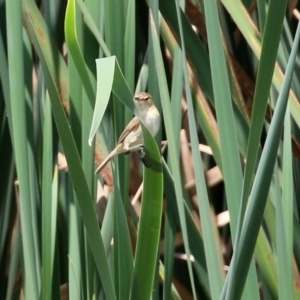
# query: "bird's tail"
[[112, 154]]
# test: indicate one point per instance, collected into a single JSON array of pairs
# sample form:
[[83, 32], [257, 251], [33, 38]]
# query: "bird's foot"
[[141, 152], [143, 156]]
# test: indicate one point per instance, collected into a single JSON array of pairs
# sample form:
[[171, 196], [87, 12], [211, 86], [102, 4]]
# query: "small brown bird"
[[131, 139]]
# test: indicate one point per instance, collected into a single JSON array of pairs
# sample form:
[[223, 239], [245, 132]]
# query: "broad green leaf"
[[149, 224], [74, 49], [21, 138]]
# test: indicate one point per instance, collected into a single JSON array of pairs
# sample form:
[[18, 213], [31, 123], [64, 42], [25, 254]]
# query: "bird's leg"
[[140, 151], [135, 148]]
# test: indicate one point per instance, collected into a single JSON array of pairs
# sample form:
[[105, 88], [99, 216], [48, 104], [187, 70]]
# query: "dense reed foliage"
[[215, 212]]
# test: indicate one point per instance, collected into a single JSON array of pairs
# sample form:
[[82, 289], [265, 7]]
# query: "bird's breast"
[[152, 121]]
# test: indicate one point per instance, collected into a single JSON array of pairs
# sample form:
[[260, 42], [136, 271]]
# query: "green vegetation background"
[[216, 216]]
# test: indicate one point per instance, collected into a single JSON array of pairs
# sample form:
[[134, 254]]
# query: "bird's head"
[[143, 101]]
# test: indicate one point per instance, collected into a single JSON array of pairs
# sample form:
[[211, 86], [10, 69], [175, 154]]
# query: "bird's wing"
[[132, 126]]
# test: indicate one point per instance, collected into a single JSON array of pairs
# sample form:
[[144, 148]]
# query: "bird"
[[131, 139]]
